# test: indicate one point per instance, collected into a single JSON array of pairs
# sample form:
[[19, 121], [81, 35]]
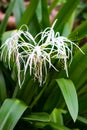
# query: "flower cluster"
[[25, 51]]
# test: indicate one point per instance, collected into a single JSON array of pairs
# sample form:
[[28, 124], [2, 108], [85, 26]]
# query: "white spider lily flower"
[[11, 49], [37, 61], [10, 46], [27, 53], [61, 47]]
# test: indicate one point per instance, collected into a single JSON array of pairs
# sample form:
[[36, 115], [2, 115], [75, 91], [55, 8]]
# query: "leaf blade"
[[28, 14], [79, 33], [65, 13], [3, 93], [18, 10], [78, 65], [10, 113], [45, 15], [41, 117], [4, 22], [69, 93]]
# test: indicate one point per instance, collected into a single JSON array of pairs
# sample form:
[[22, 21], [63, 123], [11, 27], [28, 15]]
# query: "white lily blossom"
[[37, 56]]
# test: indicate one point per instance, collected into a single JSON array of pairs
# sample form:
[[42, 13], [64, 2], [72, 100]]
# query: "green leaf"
[[55, 126], [41, 116], [53, 4], [29, 13], [56, 116], [18, 10], [82, 81], [3, 93], [79, 33], [10, 82], [65, 13], [69, 93], [78, 65], [5, 20], [82, 119], [58, 127], [69, 25], [83, 104], [27, 91], [45, 15], [10, 112], [39, 11], [34, 26], [51, 98]]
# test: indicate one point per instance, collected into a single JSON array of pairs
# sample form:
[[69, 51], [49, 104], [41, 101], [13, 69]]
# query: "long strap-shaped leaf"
[[10, 113], [40, 116], [8, 12], [3, 93], [18, 10], [55, 126], [79, 33], [69, 93], [65, 13], [29, 12], [45, 16], [53, 4], [78, 65]]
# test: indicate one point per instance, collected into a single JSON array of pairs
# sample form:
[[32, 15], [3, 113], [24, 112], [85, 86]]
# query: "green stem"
[[38, 97]]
